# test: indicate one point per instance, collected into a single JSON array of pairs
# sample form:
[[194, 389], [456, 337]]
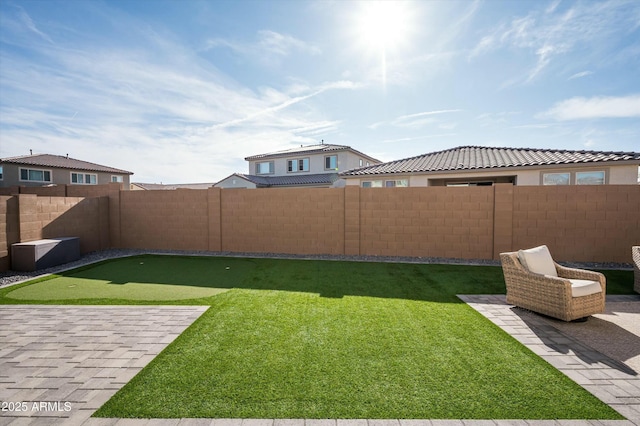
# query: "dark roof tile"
[[164, 186], [61, 162], [314, 179], [479, 157]]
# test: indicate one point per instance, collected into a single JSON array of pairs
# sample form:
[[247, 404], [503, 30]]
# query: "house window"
[[331, 162], [481, 183], [400, 183], [298, 165], [361, 162], [35, 175], [264, 168], [372, 184], [84, 178], [0, 172], [590, 178], [556, 178], [117, 179]]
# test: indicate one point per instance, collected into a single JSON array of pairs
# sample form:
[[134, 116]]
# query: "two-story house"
[[47, 169], [309, 166]]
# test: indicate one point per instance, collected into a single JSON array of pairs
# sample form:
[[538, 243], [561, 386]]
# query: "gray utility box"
[[42, 254]]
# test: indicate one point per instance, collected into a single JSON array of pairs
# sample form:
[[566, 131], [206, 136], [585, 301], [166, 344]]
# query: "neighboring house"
[[137, 186], [47, 169], [479, 166], [307, 166]]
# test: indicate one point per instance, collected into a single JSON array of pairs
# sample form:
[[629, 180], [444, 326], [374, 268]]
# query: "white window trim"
[[84, 175], [118, 179], [20, 169]]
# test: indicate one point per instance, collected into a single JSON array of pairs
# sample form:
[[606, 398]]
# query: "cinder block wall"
[[50, 191], [427, 222], [28, 217], [47, 213], [588, 223], [86, 218], [165, 220], [9, 231], [50, 217], [283, 220], [579, 223]]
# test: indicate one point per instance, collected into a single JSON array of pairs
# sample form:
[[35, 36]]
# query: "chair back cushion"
[[538, 260]]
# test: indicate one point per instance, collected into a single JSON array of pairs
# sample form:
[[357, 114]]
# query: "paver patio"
[[609, 380], [64, 362], [83, 354]]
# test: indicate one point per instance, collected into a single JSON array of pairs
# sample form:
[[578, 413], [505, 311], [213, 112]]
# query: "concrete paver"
[[58, 364]]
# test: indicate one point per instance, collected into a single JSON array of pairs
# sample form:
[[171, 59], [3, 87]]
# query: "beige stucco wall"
[[235, 182], [621, 174], [347, 160], [11, 176], [624, 175]]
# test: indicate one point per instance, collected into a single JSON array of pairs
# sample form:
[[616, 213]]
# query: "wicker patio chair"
[[635, 254], [553, 296]]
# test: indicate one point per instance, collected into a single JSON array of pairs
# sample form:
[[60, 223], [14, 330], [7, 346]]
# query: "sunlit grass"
[[324, 339]]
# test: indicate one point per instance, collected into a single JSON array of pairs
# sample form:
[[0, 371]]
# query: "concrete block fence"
[[578, 223]]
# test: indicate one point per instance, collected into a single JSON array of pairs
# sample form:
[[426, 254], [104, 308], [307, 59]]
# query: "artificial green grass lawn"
[[321, 339]]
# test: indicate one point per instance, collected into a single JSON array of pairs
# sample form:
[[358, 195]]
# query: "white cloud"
[[580, 75], [283, 44], [414, 120], [287, 102], [495, 118], [158, 111], [417, 138], [28, 22], [268, 46], [552, 7], [592, 108], [551, 34]]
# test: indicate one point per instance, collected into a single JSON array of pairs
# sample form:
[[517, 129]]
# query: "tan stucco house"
[[478, 166], [47, 169], [307, 166]]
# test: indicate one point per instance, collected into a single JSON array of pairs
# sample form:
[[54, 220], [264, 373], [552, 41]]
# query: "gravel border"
[[13, 277]]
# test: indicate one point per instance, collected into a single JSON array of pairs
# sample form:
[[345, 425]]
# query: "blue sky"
[[182, 91]]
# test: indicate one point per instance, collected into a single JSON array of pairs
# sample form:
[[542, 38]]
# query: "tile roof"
[[310, 149], [61, 162], [160, 186], [293, 180], [480, 157]]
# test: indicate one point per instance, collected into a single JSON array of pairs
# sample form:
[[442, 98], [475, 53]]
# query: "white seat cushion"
[[584, 287], [538, 260]]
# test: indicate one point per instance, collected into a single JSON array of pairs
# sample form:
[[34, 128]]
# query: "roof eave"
[[556, 165]]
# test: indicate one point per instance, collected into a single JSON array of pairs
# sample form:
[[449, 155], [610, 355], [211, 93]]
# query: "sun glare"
[[382, 29], [383, 24]]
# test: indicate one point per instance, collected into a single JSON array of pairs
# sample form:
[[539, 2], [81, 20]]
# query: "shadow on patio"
[[611, 338]]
